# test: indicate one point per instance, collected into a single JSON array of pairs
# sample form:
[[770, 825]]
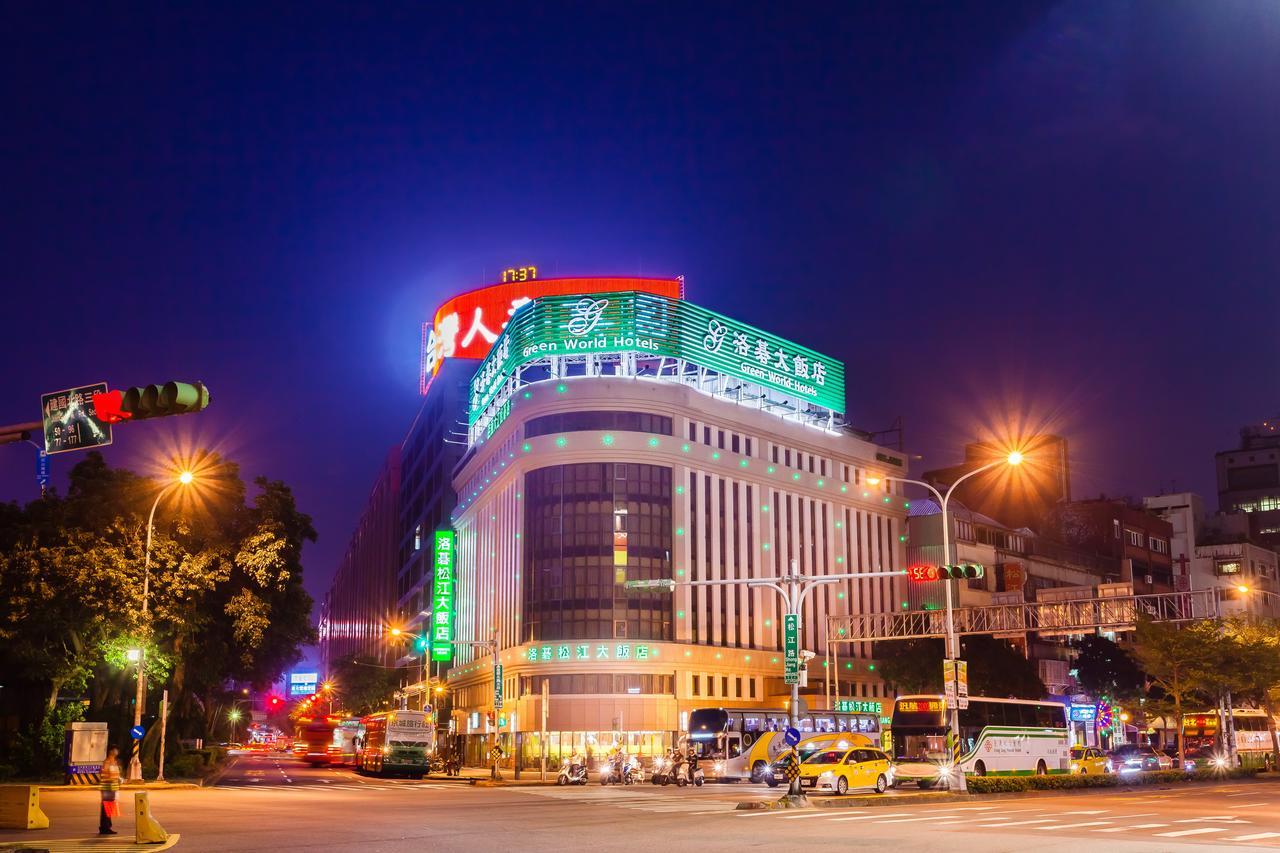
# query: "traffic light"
[[157, 401], [422, 644], [275, 702], [961, 571], [490, 718]]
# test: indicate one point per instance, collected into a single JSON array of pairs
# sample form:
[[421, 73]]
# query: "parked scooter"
[[572, 774], [633, 773], [662, 768]]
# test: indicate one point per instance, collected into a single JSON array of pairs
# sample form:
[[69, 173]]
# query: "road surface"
[[276, 804]]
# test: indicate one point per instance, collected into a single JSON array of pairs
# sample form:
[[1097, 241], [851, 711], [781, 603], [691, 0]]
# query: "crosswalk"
[[1229, 828], [347, 787], [637, 799]]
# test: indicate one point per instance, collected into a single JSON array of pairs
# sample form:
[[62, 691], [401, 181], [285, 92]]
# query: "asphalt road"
[[276, 804]]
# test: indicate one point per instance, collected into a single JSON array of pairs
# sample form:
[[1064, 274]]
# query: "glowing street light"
[[133, 655], [1015, 458], [185, 478]]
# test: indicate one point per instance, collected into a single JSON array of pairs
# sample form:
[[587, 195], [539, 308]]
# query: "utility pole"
[[492, 646], [793, 587]]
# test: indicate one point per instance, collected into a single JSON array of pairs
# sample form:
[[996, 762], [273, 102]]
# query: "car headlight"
[[719, 765], [1111, 768], [1219, 762], [386, 750], [1074, 767], [944, 771]]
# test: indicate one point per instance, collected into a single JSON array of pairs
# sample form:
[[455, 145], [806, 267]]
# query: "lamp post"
[[953, 645], [491, 645], [135, 760], [423, 647], [793, 587]]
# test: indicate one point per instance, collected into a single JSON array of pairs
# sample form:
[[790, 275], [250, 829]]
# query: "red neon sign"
[[919, 706], [467, 325], [923, 573]]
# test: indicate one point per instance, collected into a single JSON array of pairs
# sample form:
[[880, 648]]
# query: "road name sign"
[[70, 421], [791, 648], [497, 687], [42, 468]]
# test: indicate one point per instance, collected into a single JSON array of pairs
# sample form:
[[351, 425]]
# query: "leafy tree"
[[1172, 657], [1258, 645], [1103, 667], [912, 666], [997, 668], [363, 686]]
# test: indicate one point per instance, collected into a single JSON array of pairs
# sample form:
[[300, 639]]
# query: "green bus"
[[397, 743]]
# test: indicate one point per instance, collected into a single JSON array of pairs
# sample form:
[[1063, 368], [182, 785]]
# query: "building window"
[[1115, 526], [693, 431], [1228, 567], [1135, 538], [583, 421], [573, 571], [751, 685], [734, 444], [417, 538]]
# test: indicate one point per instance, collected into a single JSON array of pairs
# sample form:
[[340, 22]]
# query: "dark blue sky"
[[1062, 214]]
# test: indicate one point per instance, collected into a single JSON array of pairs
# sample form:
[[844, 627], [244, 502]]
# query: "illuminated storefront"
[[621, 435]]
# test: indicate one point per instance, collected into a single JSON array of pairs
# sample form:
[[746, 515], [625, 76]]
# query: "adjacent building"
[[1021, 496], [1249, 481]]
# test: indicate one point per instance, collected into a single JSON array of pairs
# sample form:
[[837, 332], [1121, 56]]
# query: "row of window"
[[718, 438], [1266, 503], [585, 683], [598, 420], [1137, 539], [722, 686]]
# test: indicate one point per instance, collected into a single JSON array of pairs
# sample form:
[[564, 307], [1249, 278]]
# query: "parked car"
[[1204, 758], [1089, 760], [1130, 758]]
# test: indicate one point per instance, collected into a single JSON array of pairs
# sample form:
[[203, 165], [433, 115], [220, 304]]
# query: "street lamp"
[[185, 478], [953, 646]]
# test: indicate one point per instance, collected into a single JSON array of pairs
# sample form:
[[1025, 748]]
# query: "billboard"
[[303, 683], [468, 324], [656, 326]]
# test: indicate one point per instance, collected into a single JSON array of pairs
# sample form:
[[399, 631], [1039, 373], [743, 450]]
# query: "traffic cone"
[[145, 828]]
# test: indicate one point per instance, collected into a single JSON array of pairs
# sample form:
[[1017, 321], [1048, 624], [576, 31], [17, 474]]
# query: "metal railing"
[[1056, 617]]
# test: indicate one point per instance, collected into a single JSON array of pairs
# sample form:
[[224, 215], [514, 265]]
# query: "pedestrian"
[[110, 787]]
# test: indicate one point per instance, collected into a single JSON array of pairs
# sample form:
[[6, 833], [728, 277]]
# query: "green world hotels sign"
[[656, 326]]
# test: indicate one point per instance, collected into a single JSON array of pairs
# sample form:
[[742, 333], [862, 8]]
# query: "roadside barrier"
[[20, 808], [146, 829]]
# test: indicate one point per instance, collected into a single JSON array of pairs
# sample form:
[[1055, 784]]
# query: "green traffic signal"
[[963, 571], [171, 398]]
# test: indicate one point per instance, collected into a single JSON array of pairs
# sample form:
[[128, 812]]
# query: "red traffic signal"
[[275, 701], [920, 574], [108, 407], [961, 571]]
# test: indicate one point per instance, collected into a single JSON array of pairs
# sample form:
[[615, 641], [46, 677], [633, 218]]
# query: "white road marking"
[[1019, 822], [865, 816], [1250, 805], [1135, 826], [914, 819], [803, 816], [756, 813], [1088, 811], [976, 809], [1216, 818], [1191, 832], [1257, 836], [1076, 825]]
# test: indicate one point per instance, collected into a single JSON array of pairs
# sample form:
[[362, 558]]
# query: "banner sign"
[[442, 605], [655, 326]]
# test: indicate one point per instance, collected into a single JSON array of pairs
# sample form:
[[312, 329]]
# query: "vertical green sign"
[[791, 648], [497, 687], [442, 596]]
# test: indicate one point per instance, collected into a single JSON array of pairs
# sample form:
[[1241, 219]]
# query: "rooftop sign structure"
[[468, 325], [651, 336]]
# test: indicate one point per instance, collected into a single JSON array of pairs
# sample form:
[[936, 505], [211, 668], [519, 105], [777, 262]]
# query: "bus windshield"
[[919, 744]]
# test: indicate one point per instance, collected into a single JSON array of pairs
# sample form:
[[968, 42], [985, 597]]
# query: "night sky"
[[1060, 215]]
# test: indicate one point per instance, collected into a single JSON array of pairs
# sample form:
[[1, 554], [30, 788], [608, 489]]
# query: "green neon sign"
[[858, 706], [442, 604], [654, 325]]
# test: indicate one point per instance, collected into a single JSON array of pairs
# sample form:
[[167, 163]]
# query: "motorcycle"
[[662, 770], [572, 774], [633, 774], [690, 775]]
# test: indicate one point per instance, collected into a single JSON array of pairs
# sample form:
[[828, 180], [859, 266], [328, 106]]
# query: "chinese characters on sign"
[[858, 706], [590, 651], [70, 422], [791, 648], [497, 687], [442, 596], [303, 683], [955, 683]]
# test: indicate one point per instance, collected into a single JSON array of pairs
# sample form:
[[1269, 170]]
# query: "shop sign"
[[442, 605], [580, 652], [858, 706]]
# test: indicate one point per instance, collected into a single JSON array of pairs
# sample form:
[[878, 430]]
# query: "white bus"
[[1000, 737], [735, 744], [1253, 737]]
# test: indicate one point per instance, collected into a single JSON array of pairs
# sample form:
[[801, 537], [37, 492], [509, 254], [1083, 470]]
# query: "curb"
[[145, 786]]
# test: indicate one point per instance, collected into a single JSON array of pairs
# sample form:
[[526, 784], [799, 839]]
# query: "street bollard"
[[146, 829], [20, 808]]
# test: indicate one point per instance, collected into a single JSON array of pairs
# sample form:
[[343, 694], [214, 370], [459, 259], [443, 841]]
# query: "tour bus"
[[314, 740], [397, 742], [735, 744], [346, 733], [1253, 738], [1002, 737]]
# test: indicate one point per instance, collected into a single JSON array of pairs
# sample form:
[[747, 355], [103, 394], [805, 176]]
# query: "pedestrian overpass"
[[1072, 616]]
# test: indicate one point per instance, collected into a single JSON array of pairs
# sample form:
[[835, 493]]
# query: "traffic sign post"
[[70, 421]]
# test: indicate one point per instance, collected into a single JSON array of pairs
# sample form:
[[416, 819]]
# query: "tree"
[[998, 669], [1104, 668], [912, 666], [1171, 656], [1258, 644], [363, 685]]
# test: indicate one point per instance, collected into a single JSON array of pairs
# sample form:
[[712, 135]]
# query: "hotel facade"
[[630, 436]]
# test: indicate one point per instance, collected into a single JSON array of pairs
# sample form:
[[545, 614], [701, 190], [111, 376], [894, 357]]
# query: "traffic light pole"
[[953, 643], [793, 587], [492, 646]]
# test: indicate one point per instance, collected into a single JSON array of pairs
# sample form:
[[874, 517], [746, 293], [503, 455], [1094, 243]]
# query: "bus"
[[1000, 737], [1253, 737], [313, 740], [397, 742], [736, 744]]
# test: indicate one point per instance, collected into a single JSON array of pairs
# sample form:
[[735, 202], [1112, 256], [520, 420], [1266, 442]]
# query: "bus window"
[[733, 745]]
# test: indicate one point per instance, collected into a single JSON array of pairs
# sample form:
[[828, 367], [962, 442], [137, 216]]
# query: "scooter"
[[632, 773], [661, 774], [688, 776], [572, 774]]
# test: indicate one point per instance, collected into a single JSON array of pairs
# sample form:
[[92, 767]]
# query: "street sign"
[[497, 687], [137, 732], [42, 468], [70, 422], [955, 683], [792, 736], [660, 583], [303, 683], [791, 648]]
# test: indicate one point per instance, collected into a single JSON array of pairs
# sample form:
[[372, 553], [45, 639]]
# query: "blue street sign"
[[137, 732], [792, 737], [42, 468]]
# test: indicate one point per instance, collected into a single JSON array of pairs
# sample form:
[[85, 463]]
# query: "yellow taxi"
[[842, 769], [1089, 761]]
